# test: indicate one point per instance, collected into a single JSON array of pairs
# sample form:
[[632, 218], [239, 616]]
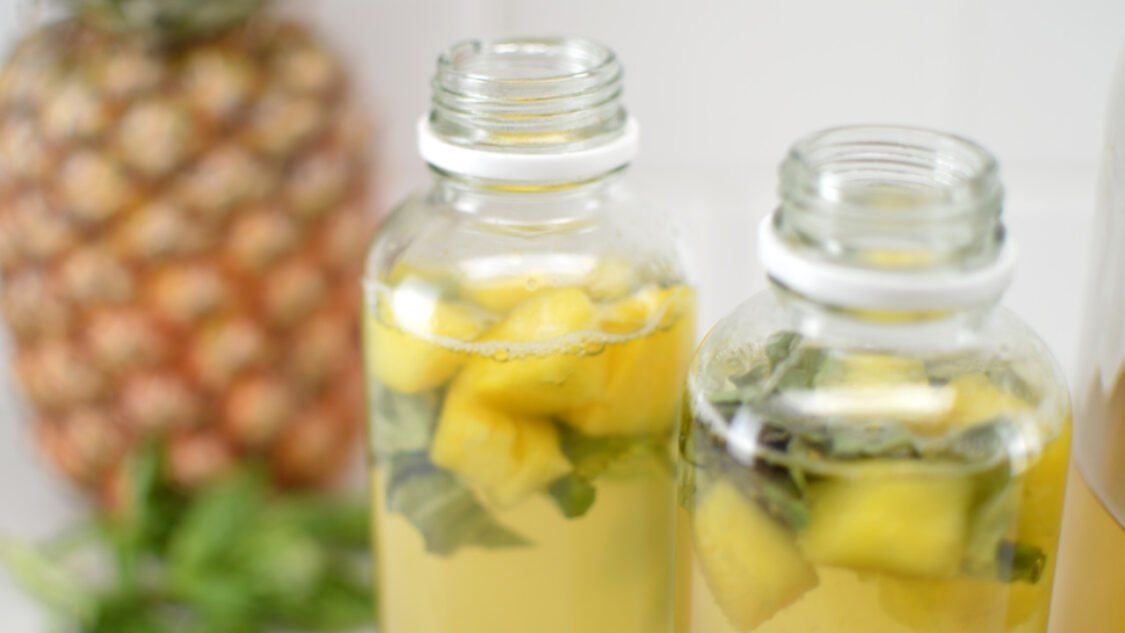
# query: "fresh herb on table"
[[235, 556]]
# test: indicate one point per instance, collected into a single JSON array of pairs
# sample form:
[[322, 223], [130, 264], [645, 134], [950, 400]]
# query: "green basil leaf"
[[592, 456], [282, 562], [573, 495], [337, 521], [780, 346], [341, 603], [401, 423], [1020, 562], [222, 597], [216, 519], [445, 511], [799, 371], [777, 488]]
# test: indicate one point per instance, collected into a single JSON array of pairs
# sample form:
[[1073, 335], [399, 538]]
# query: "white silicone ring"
[[876, 289], [573, 166]]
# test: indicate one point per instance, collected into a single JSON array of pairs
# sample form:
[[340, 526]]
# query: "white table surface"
[[1048, 210]]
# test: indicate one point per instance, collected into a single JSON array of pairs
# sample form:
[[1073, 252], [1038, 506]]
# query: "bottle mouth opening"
[[538, 108], [891, 172], [891, 198], [536, 68]]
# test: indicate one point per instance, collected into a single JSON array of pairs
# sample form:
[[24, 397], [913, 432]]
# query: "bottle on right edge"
[[1090, 588], [873, 445]]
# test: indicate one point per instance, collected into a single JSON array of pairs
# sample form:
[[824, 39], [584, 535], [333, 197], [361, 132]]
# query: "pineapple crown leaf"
[[174, 19]]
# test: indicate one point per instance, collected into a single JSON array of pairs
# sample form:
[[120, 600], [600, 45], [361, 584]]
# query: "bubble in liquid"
[[592, 347], [501, 355], [532, 284]]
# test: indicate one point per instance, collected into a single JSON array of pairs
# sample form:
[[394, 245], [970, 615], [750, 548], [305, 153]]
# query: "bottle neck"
[[889, 220], [527, 204], [883, 328], [533, 113]]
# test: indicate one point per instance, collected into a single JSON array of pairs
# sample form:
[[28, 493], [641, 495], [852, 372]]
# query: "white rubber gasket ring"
[[875, 289], [573, 166]]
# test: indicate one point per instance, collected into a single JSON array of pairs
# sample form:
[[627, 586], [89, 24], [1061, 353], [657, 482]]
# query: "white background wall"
[[721, 88]]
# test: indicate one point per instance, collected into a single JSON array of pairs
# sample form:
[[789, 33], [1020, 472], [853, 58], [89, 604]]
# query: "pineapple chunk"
[[751, 564], [977, 399], [645, 375], [557, 380], [501, 295], [609, 279], [889, 521], [507, 457], [410, 364], [867, 386], [871, 370]]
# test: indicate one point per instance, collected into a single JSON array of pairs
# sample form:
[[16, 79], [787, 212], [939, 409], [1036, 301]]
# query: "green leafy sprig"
[[233, 557]]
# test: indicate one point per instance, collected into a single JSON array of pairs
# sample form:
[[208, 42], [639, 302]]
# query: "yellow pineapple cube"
[[977, 399], [506, 456], [402, 358], [867, 385], [646, 374], [608, 279], [557, 377], [612, 278], [891, 521], [871, 370], [751, 563], [502, 294]]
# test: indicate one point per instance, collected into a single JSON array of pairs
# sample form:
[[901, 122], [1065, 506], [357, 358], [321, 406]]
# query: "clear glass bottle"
[[1092, 552], [872, 445], [528, 328]]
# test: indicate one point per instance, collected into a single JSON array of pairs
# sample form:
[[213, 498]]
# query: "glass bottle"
[[1089, 592], [527, 329], [872, 445]]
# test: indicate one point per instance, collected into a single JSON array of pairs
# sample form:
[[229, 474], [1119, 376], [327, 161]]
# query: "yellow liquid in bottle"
[[1090, 584], [884, 549], [478, 431], [868, 601], [604, 572]]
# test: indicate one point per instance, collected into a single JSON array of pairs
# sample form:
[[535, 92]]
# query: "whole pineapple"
[[182, 222]]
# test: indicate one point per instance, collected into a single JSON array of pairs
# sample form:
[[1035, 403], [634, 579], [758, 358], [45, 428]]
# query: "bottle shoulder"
[[931, 378], [497, 234]]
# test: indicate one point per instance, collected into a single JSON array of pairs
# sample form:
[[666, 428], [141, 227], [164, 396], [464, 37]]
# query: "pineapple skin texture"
[[751, 563], [180, 231]]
